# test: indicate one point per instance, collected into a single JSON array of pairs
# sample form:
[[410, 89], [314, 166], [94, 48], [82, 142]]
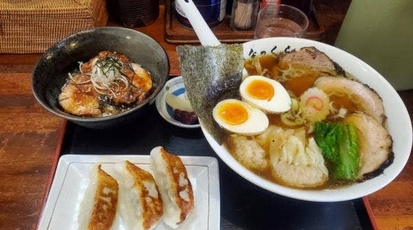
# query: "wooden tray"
[[261, 207], [175, 32]]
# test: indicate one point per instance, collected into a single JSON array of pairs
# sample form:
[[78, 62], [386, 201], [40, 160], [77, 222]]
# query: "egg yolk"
[[233, 113], [260, 89]]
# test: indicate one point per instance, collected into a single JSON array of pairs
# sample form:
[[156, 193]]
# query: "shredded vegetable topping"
[[106, 84], [106, 75]]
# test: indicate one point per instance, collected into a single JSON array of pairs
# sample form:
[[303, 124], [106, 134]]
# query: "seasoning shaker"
[[213, 12], [244, 14], [137, 13]]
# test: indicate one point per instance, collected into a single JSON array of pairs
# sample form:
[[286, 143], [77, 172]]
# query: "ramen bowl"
[[398, 124], [51, 71]]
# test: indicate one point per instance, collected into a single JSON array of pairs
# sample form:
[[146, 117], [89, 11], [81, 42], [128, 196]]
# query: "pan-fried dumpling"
[[99, 205], [174, 185], [140, 203]]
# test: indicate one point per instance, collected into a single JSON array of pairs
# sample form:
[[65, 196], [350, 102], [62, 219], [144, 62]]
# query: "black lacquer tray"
[[243, 205]]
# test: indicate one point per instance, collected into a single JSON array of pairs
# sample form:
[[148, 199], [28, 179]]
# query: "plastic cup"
[[279, 20]]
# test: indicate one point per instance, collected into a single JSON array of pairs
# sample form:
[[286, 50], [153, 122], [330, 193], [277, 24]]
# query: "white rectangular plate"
[[72, 178]]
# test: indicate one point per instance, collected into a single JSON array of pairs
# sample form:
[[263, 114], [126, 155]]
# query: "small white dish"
[[175, 86], [73, 176]]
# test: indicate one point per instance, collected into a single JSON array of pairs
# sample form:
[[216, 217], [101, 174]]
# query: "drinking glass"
[[280, 20]]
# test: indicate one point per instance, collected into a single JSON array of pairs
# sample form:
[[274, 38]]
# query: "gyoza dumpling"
[[296, 161], [140, 203], [98, 208], [174, 185]]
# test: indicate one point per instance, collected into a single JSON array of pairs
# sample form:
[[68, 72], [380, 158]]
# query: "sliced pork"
[[375, 143], [311, 58], [365, 97]]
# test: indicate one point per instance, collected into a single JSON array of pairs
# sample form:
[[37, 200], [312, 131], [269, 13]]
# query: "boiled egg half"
[[239, 117], [265, 94]]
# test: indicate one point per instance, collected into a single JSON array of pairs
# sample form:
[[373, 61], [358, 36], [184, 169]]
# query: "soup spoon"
[[198, 23]]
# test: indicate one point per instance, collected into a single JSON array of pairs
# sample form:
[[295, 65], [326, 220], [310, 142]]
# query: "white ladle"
[[198, 23]]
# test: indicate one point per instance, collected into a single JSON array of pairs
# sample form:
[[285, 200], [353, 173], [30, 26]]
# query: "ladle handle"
[[198, 23]]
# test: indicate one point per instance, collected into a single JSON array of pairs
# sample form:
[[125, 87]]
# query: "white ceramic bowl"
[[175, 86], [398, 124]]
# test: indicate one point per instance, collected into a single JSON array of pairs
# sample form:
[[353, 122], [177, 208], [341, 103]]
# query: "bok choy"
[[339, 145]]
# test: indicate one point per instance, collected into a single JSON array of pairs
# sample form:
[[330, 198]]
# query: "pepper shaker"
[[213, 12], [137, 13], [244, 14]]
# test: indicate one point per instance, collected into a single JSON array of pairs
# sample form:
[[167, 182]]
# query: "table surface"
[[30, 137]]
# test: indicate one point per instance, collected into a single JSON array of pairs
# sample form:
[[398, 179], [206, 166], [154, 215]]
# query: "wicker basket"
[[31, 26]]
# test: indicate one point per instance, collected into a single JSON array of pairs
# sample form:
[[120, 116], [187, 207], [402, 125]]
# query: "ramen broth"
[[295, 85]]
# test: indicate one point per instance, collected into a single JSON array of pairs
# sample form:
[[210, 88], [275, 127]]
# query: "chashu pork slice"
[[311, 58], [375, 144], [362, 95]]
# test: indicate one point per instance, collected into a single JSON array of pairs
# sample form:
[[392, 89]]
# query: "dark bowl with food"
[[101, 78]]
